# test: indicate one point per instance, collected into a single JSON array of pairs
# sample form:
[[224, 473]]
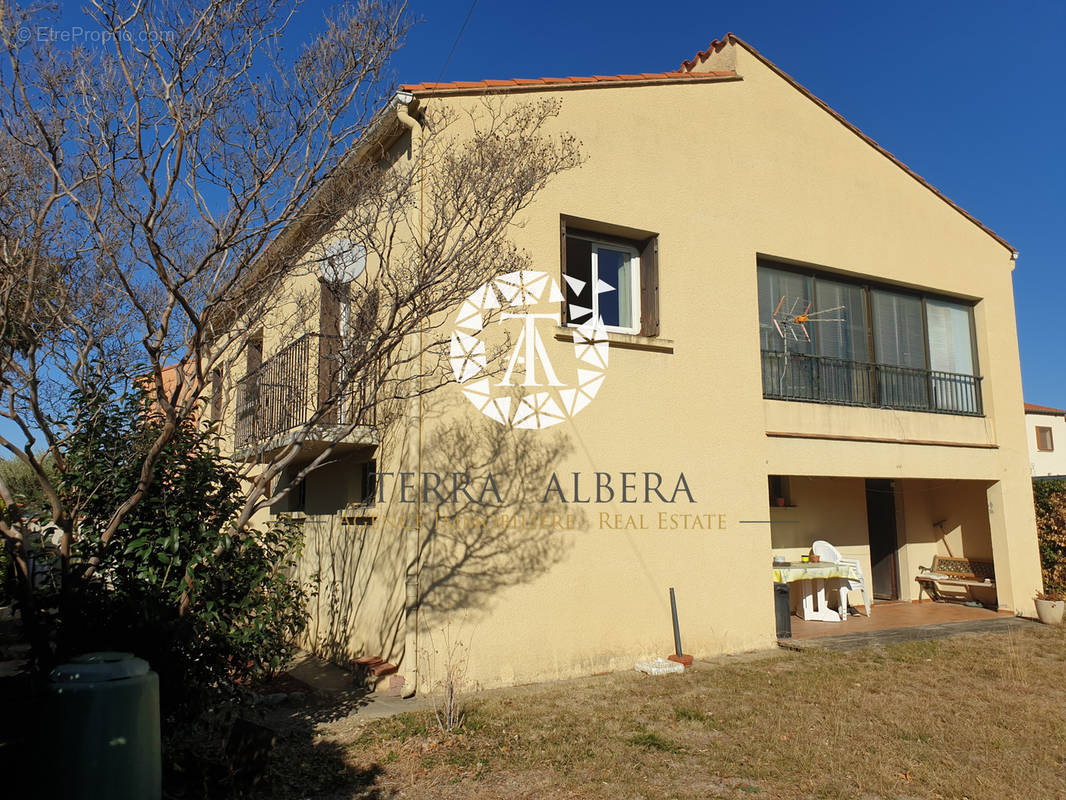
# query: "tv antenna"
[[791, 318]]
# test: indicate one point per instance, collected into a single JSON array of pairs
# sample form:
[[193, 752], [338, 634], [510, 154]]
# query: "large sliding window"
[[951, 355], [775, 284], [842, 346], [828, 339], [899, 341]]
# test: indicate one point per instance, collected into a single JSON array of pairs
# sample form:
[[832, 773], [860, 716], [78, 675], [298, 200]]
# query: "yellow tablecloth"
[[820, 570]]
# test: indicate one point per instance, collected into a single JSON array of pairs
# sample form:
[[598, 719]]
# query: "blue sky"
[[971, 95]]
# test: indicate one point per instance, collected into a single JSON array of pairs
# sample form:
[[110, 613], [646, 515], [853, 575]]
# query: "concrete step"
[[378, 674]]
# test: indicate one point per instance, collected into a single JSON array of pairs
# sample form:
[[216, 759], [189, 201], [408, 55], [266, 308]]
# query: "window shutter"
[[216, 394], [329, 310], [578, 255], [329, 326], [649, 287], [562, 270]]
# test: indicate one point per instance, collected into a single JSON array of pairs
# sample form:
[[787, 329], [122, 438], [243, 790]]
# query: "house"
[[798, 338], [1044, 428]]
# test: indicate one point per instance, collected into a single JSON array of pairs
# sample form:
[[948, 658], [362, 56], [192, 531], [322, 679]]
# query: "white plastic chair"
[[826, 552]]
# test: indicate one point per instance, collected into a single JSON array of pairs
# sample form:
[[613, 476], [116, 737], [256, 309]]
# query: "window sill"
[[624, 341]]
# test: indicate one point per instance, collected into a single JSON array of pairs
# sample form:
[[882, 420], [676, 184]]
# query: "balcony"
[[305, 379], [817, 379]]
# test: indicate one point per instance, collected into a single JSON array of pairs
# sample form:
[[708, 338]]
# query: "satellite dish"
[[343, 261]]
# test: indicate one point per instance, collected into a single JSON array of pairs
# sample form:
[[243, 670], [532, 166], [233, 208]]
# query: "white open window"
[[602, 279]]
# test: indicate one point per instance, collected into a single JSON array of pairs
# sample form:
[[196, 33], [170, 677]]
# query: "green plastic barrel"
[[101, 725]]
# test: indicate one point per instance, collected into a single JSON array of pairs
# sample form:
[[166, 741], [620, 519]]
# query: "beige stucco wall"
[[723, 172], [1044, 462]]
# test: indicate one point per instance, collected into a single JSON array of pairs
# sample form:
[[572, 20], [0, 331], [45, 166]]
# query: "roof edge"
[[541, 84], [1031, 408], [715, 46]]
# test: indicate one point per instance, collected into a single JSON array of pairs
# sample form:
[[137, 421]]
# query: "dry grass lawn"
[[969, 717]]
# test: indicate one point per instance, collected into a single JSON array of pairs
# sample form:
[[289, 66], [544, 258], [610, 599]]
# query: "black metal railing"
[[304, 382], [818, 379]]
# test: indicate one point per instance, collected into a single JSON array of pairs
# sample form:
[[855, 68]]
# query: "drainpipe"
[[412, 537]]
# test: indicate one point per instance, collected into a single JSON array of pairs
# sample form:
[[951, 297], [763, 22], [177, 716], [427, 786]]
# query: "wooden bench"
[[962, 574]]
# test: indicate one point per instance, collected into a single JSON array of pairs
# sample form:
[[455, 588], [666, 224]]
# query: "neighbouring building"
[[806, 341], [1045, 429]]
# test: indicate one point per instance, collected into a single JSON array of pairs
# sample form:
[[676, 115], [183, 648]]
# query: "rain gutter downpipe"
[[412, 537]]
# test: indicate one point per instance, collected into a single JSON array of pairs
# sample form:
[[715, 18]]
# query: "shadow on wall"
[[470, 545], [948, 518], [473, 546], [359, 570]]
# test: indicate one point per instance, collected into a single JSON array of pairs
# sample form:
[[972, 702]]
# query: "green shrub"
[[210, 608], [1043, 491], [20, 480], [1049, 497]]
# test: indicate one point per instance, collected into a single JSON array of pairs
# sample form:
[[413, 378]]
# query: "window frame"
[[868, 288], [643, 246], [1041, 429], [368, 483], [780, 491], [621, 245]]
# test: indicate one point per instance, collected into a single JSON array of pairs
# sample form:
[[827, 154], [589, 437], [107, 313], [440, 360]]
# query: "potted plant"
[[1050, 606]]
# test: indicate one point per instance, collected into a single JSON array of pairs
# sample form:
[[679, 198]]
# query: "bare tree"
[[161, 181]]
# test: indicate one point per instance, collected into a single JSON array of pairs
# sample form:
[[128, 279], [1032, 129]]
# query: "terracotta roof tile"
[[702, 55], [1034, 409], [460, 87]]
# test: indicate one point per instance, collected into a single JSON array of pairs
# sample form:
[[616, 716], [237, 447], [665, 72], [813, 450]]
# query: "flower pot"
[[1050, 611]]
